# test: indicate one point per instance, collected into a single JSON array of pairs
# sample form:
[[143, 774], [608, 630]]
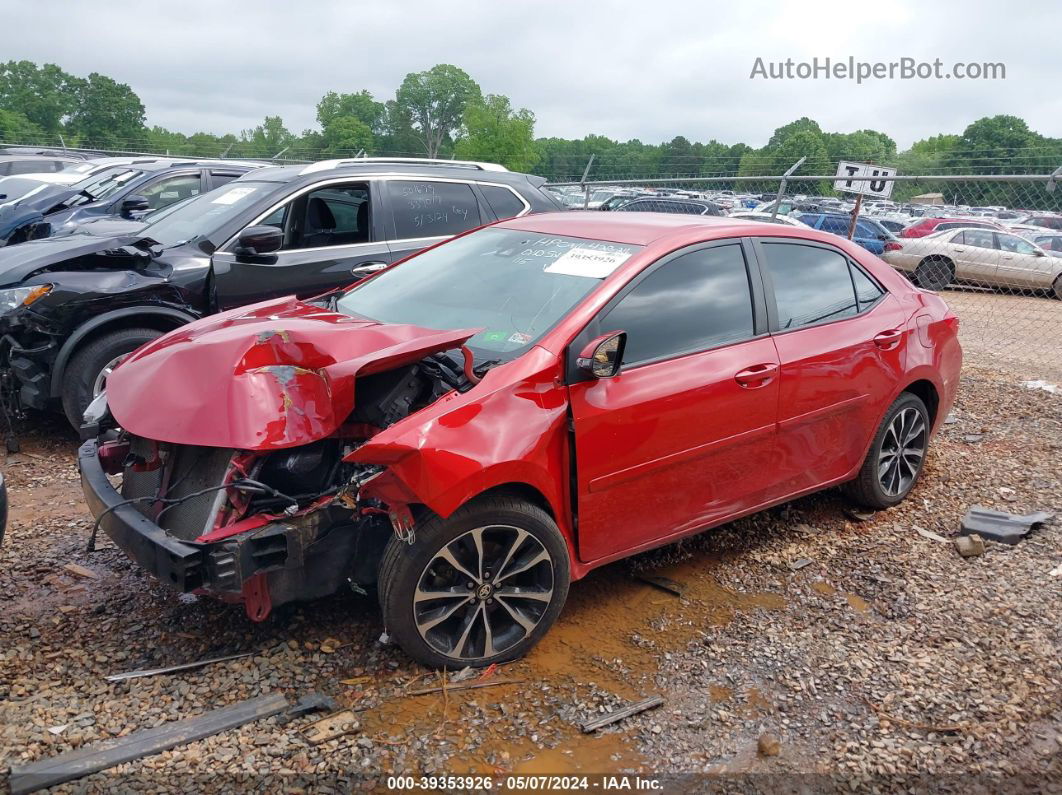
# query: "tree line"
[[442, 112]]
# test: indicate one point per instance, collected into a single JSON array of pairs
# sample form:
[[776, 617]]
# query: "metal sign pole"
[[855, 215]]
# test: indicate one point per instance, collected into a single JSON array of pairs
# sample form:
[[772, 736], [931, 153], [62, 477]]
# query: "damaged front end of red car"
[[224, 459]]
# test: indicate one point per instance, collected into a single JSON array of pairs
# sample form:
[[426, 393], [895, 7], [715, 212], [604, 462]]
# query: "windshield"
[[100, 186], [515, 285], [202, 215]]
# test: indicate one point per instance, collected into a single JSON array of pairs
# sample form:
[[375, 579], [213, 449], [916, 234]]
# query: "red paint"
[[661, 451], [264, 377], [928, 226]]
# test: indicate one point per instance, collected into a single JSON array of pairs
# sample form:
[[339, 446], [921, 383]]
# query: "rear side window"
[[431, 209], [503, 201], [219, 178], [837, 226], [867, 290], [811, 284], [696, 301]]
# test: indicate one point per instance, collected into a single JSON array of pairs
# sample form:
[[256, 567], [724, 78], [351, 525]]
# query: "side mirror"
[[603, 356], [257, 240], [135, 204]]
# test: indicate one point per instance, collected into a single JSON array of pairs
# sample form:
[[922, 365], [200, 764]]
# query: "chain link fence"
[[991, 244]]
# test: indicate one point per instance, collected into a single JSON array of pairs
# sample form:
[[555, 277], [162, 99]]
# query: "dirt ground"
[[875, 655]]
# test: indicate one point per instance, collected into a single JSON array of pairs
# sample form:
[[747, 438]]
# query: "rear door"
[[975, 253], [841, 341], [421, 212], [330, 231], [680, 437]]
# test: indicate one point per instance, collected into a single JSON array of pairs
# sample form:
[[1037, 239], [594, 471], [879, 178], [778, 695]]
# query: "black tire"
[[934, 273], [404, 567], [88, 362], [1056, 288], [868, 489]]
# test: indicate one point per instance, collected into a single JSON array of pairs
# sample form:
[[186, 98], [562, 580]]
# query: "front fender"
[[466, 444]]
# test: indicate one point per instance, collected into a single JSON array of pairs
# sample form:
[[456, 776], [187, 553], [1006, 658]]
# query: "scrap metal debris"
[[100, 756], [797, 565], [859, 516], [1006, 528], [665, 584], [330, 727], [1044, 385], [621, 714], [173, 668]]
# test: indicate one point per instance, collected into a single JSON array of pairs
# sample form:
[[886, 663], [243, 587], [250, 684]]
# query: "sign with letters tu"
[[865, 179]]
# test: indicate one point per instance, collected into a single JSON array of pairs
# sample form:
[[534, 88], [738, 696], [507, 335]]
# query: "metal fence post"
[[781, 185], [586, 188]]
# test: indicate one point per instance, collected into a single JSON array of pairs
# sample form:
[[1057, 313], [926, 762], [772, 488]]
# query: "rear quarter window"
[[502, 201]]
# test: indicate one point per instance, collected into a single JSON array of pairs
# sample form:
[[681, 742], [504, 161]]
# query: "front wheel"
[[1056, 288], [86, 375], [480, 587], [896, 455]]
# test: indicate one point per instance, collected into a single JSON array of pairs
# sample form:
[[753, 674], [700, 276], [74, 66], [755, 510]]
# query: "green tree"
[[46, 95], [267, 139], [433, 104], [361, 106], [108, 114], [494, 132], [345, 136], [16, 128]]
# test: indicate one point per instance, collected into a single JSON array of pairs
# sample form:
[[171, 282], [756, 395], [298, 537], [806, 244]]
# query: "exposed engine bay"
[[282, 525]]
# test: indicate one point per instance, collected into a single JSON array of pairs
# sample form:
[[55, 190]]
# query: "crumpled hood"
[[23, 260], [263, 377]]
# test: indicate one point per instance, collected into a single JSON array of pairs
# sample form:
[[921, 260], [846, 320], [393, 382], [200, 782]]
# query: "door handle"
[[959, 249], [368, 268], [756, 376], [887, 340]]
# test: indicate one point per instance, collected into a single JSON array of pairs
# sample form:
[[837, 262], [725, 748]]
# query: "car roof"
[[396, 166], [641, 229]]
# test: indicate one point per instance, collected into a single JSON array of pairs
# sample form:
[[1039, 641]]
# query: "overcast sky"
[[626, 70]]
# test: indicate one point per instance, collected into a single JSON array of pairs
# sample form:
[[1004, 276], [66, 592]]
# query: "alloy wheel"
[[100, 383], [903, 449], [483, 592]]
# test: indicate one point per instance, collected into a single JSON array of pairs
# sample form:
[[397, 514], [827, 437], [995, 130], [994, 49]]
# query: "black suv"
[[71, 308]]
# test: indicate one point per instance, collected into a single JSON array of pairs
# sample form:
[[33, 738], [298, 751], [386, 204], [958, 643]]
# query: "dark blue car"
[[870, 234], [126, 191]]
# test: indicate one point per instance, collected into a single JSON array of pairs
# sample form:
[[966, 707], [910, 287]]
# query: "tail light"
[[893, 245]]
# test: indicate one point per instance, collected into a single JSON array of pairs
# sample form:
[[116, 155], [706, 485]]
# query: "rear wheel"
[[934, 273], [896, 455], [86, 375], [1056, 288], [480, 587]]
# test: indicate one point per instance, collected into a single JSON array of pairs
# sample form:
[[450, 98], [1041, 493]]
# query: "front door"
[[329, 233], [680, 437]]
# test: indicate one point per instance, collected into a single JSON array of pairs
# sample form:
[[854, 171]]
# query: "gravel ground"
[[888, 660]]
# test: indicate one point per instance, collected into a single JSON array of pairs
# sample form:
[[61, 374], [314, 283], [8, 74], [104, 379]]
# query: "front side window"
[[515, 285], [1015, 245], [811, 284], [432, 209], [696, 301], [336, 215], [171, 190]]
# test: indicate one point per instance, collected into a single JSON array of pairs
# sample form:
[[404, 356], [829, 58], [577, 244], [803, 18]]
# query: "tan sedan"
[[977, 256]]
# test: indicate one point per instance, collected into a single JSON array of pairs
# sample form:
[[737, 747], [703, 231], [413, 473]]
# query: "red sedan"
[[928, 226], [477, 426]]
